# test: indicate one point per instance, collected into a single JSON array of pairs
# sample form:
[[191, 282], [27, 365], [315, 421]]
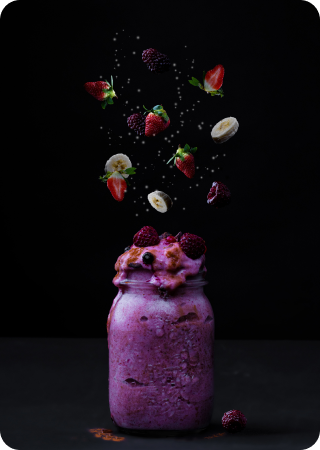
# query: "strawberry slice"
[[214, 78], [212, 81], [117, 186]]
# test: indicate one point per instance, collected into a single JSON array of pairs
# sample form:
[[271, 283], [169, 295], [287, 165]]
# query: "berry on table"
[[234, 420]]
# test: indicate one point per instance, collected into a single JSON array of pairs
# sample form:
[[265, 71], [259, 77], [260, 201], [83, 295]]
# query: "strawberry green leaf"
[[147, 110], [104, 104], [193, 149], [109, 101], [219, 92], [181, 157], [186, 148], [130, 170], [194, 81], [105, 177], [174, 156]]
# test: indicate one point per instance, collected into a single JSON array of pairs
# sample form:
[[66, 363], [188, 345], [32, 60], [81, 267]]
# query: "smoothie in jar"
[[160, 336]]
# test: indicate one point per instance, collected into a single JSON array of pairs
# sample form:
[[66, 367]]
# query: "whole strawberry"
[[212, 81], [157, 120], [234, 420], [219, 195], [156, 61], [184, 160], [146, 237], [102, 91], [192, 245]]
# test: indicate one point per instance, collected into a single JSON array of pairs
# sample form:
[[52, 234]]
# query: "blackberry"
[[137, 123], [156, 61]]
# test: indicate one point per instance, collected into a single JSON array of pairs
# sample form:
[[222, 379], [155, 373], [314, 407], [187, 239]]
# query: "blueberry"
[[147, 258]]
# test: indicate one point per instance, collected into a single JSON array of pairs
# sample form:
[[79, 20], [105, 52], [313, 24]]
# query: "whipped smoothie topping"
[[170, 260]]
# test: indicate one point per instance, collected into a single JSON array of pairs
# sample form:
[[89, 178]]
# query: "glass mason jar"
[[161, 359]]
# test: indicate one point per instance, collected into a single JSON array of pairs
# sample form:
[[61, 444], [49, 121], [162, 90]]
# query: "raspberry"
[[137, 123], [219, 195], [234, 420], [156, 61], [192, 245], [145, 237], [170, 239]]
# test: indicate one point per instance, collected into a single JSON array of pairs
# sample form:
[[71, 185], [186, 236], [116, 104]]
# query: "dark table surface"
[[54, 394]]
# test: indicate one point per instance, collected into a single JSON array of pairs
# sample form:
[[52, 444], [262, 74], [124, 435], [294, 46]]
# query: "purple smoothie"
[[160, 337]]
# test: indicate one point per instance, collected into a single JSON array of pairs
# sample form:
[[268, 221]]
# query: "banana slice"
[[160, 201], [118, 162], [224, 130]]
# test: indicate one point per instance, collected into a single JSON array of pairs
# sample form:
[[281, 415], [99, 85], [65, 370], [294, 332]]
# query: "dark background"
[[63, 231]]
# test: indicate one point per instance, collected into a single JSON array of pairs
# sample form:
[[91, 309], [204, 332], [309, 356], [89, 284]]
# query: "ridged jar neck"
[[191, 284]]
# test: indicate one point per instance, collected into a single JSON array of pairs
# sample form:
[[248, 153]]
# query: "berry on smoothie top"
[[171, 259]]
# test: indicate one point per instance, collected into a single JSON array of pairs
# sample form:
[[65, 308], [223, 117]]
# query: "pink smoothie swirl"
[[169, 269]]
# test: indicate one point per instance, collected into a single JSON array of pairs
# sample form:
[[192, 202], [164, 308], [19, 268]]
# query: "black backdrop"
[[62, 229]]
